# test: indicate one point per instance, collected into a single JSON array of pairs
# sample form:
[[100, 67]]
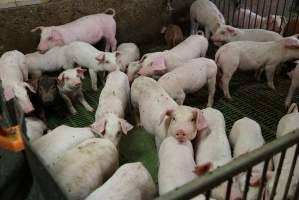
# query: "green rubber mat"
[[250, 98]]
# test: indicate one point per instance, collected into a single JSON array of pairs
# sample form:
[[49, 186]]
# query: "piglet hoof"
[[139, 125], [74, 112], [89, 109], [94, 88], [271, 86]]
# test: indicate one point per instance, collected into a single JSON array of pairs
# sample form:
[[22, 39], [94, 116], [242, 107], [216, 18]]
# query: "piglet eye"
[[50, 38], [222, 32], [173, 118], [106, 61], [193, 119]]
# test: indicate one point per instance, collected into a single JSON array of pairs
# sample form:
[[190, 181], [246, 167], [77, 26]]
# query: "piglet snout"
[[28, 109], [181, 136]]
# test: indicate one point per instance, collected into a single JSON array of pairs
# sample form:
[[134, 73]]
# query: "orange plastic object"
[[11, 139]]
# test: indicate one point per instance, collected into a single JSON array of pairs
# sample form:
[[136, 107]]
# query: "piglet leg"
[[212, 88], [270, 71], [84, 103], [69, 104], [290, 94], [94, 79]]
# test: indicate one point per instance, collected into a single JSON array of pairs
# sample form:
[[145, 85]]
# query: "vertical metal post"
[[246, 188], [238, 19], [269, 13], [277, 174], [290, 15], [251, 5], [262, 15], [228, 13], [257, 11], [229, 188], [276, 10], [264, 177], [208, 194], [291, 172], [245, 6]]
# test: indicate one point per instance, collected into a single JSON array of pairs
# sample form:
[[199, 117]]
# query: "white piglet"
[[127, 53], [53, 145], [85, 167], [206, 14], [176, 165], [109, 120], [226, 34], [131, 181], [70, 88], [13, 73], [90, 29], [248, 55], [246, 136], [189, 78], [132, 70], [287, 124], [208, 159], [161, 116], [159, 63]]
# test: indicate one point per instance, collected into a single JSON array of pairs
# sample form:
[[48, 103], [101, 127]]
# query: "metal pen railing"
[[205, 183]]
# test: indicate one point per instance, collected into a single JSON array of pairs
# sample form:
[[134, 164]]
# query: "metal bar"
[[251, 5], [228, 190], [296, 196], [291, 172], [228, 13], [245, 6], [242, 163], [276, 10], [264, 5], [223, 7], [290, 15], [264, 177], [294, 29], [246, 188], [238, 19], [269, 13], [283, 10], [277, 174], [257, 10]]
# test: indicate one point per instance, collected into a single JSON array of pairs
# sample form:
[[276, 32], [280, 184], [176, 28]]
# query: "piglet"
[[248, 55], [161, 116], [13, 73], [109, 120], [85, 167], [46, 94], [159, 63], [245, 18], [190, 77], [53, 60], [131, 181], [294, 75], [70, 87], [206, 14], [287, 124], [90, 29], [127, 53], [246, 136], [173, 35], [92, 58], [207, 158], [176, 165], [51, 146], [226, 34], [34, 128]]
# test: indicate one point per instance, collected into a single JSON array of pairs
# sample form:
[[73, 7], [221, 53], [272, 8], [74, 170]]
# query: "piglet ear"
[[163, 29], [202, 169], [142, 59], [201, 122], [99, 127], [37, 28], [158, 65], [60, 79], [125, 126], [291, 42], [100, 57], [117, 54], [166, 113], [26, 85], [9, 93], [80, 72], [56, 35]]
